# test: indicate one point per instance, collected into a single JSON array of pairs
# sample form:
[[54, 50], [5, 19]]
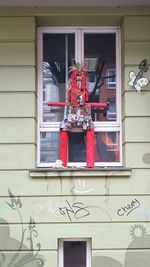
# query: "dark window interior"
[[74, 253]]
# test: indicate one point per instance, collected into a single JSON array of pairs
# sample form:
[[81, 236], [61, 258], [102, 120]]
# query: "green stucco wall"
[[105, 196]]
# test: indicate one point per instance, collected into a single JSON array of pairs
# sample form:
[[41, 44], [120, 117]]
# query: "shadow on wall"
[[19, 255], [14, 258], [135, 255], [14, 253], [105, 262]]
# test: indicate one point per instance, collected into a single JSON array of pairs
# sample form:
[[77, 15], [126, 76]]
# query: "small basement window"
[[74, 253]]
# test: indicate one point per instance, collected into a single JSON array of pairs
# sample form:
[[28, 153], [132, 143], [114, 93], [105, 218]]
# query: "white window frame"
[[88, 250], [111, 126]]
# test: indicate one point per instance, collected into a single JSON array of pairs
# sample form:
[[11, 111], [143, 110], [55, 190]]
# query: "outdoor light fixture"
[[137, 82]]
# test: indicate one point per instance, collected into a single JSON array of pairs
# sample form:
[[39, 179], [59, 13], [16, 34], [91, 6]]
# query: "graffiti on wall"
[[71, 210], [130, 207], [19, 255], [26, 250], [78, 209]]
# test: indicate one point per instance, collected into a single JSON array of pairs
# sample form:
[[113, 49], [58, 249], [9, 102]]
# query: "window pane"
[[49, 142], [58, 51], [100, 57], [74, 254], [111, 113], [111, 80], [76, 147], [107, 147]]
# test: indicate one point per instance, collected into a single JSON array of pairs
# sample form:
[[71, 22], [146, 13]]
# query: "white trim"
[[118, 86], [82, 164], [61, 254]]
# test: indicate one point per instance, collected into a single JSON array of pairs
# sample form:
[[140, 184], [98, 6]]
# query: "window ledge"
[[80, 172]]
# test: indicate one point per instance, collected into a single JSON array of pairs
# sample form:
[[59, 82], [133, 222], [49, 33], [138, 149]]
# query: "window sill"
[[80, 172]]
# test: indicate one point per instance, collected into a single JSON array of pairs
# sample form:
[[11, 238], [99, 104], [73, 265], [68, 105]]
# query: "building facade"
[[74, 216]]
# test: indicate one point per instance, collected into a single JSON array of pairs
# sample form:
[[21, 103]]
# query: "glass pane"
[[74, 254], [49, 142], [76, 147], [111, 112], [58, 52], [100, 57], [107, 147]]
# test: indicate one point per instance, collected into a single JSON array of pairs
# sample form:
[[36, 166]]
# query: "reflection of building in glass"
[[50, 93], [49, 146], [107, 143], [49, 140], [111, 80], [106, 89], [106, 146], [111, 112]]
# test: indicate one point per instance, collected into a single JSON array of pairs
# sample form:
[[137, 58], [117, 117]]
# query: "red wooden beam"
[[90, 148], [57, 104], [98, 105], [62, 104], [63, 146]]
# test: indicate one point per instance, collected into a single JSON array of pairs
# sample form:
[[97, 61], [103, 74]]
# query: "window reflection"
[[49, 142], [106, 147], [58, 52], [76, 147], [100, 58]]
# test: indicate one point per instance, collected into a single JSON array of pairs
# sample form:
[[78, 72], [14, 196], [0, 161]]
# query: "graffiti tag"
[[76, 210], [126, 210]]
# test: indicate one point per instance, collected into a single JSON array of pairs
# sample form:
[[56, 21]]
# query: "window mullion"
[[118, 76], [79, 51], [40, 76]]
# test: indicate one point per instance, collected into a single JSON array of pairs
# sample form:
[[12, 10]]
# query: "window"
[[111, 80], [58, 49], [111, 112], [74, 253]]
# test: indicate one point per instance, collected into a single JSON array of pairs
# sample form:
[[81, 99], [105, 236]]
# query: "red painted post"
[[98, 105], [63, 146], [62, 104], [56, 104], [90, 148]]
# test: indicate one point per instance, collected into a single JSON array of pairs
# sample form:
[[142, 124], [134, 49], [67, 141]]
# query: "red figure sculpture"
[[78, 114]]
